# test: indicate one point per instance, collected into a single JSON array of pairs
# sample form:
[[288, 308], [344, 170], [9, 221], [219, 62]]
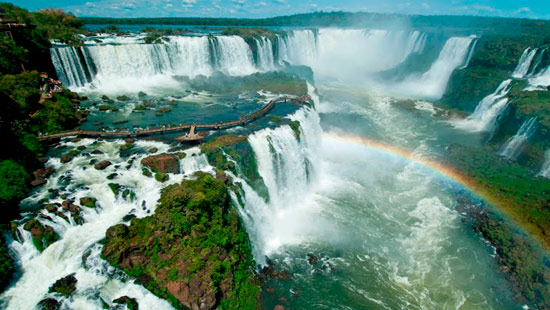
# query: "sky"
[[270, 8]]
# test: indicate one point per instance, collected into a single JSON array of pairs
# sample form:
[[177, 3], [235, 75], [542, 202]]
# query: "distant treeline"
[[347, 19]]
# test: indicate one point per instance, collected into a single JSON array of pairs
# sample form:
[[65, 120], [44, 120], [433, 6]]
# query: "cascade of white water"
[[545, 170], [486, 114], [234, 56], [124, 64], [78, 250], [287, 165], [265, 54], [68, 66], [349, 54], [535, 66], [540, 81], [513, 147], [297, 47], [524, 63], [432, 84]]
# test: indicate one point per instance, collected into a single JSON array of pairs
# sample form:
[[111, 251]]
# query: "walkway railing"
[[147, 132]]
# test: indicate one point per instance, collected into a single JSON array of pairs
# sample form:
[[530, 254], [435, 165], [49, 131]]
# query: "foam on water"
[[78, 250]]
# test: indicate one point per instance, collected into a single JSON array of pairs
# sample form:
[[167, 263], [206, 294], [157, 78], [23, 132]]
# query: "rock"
[[89, 202], [161, 177], [153, 150], [197, 295], [165, 163], [102, 165], [112, 176], [65, 159], [312, 259], [64, 286], [116, 231], [283, 275], [131, 303], [128, 217], [81, 148], [42, 235], [97, 152], [270, 289], [38, 182], [43, 173], [122, 98], [279, 307], [129, 140], [49, 304]]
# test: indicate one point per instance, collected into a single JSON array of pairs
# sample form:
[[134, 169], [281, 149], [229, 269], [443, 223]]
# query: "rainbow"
[[439, 168]]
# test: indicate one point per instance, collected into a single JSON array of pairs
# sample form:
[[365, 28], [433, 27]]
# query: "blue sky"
[[268, 8]]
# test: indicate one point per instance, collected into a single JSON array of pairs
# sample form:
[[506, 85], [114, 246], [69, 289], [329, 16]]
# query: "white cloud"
[[425, 5]]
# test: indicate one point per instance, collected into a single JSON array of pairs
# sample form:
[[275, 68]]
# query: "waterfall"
[[486, 114], [68, 66], [513, 148], [287, 165], [234, 56], [540, 81], [524, 63], [139, 65], [545, 170], [349, 54], [432, 84], [265, 54]]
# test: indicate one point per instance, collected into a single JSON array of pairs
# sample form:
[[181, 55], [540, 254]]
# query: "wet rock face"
[[49, 304], [64, 286], [131, 303], [42, 235], [165, 163]]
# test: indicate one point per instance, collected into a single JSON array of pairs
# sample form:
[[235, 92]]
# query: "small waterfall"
[[545, 170], [234, 56], [297, 47], [486, 114], [265, 56], [524, 64], [540, 81], [432, 84], [513, 148], [68, 66]]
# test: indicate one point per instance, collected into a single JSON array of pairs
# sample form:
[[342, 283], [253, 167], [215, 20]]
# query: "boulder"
[[131, 303], [38, 182], [116, 231], [81, 148], [64, 286], [102, 165], [65, 159], [43, 173], [165, 163], [97, 152], [312, 259], [279, 307], [153, 150], [49, 304], [89, 202]]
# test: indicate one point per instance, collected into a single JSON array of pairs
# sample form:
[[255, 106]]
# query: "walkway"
[[147, 132]]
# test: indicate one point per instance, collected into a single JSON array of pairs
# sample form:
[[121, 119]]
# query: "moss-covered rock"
[[130, 303], [161, 177], [192, 251], [89, 202], [64, 286], [49, 304], [166, 163], [42, 235]]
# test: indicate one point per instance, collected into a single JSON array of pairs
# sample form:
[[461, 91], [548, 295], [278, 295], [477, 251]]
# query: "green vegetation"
[[6, 265], [64, 286], [193, 243], [525, 198], [42, 235], [275, 82], [13, 182], [348, 19], [155, 35]]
